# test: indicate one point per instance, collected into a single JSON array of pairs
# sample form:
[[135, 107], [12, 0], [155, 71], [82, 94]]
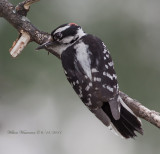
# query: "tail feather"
[[127, 124], [132, 120]]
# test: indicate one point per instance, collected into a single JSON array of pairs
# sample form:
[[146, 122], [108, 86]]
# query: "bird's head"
[[63, 36], [67, 33]]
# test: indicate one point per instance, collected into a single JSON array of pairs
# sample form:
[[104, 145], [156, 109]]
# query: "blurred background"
[[35, 95]]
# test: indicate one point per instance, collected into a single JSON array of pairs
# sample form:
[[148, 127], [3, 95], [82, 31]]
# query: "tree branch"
[[141, 111], [20, 22], [17, 17]]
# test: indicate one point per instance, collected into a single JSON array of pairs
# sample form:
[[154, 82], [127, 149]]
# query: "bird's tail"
[[127, 124]]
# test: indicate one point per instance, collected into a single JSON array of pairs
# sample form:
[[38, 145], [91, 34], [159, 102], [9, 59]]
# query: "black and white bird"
[[89, 68]]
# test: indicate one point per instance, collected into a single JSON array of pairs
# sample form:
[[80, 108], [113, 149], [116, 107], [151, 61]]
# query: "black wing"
[[99, 82]]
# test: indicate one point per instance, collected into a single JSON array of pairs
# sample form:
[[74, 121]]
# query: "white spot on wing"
[[94, 70], [80, 92], [87, 88], [86, 76], [110, 63], [107, 55], [104, 47], [83, 58], [115, 76], [90, 84], [110, 76], [110, 88], [104, 73], [89, 103], [106, 66], [117, 86], [65, 72], [89, 95], [105, 51], [97, 79]]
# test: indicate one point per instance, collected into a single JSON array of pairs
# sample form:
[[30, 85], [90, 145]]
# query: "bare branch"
[[141, 111], [16, 17], [20, 22]]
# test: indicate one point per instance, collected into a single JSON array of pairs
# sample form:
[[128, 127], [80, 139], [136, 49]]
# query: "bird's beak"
[[45, 45]]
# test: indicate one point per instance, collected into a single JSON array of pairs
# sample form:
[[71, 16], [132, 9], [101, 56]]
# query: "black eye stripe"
[[70, 31]]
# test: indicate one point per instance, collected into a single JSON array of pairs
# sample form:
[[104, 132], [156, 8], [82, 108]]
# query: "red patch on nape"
[[73, 24]]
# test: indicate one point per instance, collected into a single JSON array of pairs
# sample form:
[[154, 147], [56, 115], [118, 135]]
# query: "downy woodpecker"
[[89, 68]]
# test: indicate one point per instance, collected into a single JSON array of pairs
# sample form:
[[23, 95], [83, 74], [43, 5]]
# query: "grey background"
[[35, 95]]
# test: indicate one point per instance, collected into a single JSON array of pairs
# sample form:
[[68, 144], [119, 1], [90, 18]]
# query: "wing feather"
[[88, 61]]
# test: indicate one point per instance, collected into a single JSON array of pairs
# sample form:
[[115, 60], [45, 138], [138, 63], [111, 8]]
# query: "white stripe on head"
[[61, 29], [67, 39]]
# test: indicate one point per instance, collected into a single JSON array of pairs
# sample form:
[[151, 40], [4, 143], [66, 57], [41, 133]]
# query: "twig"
[[23, 7], [20, 22], [19, 44], [16, 17]]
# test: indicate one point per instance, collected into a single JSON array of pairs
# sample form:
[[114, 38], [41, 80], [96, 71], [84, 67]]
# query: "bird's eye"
[[57, 36]]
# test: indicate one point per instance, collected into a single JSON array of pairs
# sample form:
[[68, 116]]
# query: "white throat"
[[59, 49]]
